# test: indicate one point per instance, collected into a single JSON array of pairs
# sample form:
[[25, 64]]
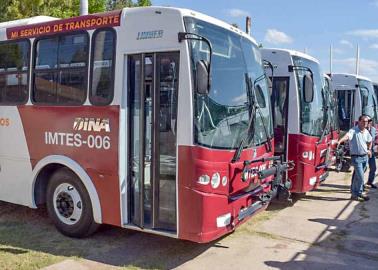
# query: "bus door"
[[345, 109], [153, 85], [280, 114]]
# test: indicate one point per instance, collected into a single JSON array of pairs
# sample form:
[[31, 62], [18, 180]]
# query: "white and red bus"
[[154, 119], [356, 96], [299, 116]]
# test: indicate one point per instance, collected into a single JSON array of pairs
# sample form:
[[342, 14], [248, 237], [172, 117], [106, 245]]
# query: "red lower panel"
[[92, 144], [200, 205], [199, 214], [307, 154]]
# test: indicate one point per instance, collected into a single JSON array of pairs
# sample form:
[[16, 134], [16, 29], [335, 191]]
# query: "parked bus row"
[[163, 120]]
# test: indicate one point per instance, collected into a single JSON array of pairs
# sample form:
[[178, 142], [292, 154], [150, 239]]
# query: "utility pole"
[[358, 60], [248, 25], [83, 7], [330, 59]]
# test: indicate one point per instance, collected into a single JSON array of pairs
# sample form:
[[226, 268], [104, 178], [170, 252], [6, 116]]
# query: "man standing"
[[372, 164], [360, 142]]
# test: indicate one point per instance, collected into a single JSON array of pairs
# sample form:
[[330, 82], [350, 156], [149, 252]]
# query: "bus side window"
[[14, 66], [60, 71], [102, 79], [46, 53]]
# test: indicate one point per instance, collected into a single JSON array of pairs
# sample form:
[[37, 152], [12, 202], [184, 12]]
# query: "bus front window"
[[221, 118], [367, 99], [313, 115], [332, 105]]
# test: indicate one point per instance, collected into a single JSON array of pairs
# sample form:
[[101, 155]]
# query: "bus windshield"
[[375, 90], [221, 118], [313, 115], [368, 101]]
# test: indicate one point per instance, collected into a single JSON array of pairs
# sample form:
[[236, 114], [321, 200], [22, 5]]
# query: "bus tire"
[[69, 205], [297, 196]]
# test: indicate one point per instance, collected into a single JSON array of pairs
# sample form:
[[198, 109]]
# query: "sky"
[[307, 26]]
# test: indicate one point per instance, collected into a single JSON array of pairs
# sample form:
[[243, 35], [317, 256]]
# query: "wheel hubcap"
[[67, 204]]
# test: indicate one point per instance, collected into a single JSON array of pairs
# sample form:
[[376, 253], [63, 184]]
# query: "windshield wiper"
[[324, 130], [326, 125], [254, 107], [252, 112], [267, 135]]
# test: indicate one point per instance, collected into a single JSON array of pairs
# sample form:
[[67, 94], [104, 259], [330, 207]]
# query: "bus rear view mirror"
[[308, 88], [202, 77]]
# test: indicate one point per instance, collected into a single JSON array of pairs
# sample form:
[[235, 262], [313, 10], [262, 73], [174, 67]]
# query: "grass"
[[22, 244], [29, 241], [25, 259]]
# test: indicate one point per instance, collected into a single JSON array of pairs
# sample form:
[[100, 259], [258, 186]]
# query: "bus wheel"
[[298, 196], [69, 204]]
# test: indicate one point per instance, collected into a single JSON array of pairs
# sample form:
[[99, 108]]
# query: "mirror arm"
[[291, 68], [193, 36], [268, 64]]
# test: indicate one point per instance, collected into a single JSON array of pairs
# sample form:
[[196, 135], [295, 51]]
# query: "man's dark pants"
[[359, 163]]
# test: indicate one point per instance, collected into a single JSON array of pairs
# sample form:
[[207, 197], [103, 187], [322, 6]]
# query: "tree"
[[144, 3], [118, 4], [18, 9]]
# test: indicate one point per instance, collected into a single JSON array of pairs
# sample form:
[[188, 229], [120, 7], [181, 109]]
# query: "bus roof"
[[29, 22], [352, 75], [293, 53], [201, 16]]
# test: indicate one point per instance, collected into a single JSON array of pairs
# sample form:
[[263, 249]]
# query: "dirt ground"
[[322, 230]]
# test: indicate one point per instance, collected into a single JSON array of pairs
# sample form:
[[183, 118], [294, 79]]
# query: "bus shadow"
[[23, 229], [349, 241], [324, 198]]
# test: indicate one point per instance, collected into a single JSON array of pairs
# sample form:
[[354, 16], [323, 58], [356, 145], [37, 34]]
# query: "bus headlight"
[[215, 180], [224, 181], [204, 179], [223, 220], [312, 180]]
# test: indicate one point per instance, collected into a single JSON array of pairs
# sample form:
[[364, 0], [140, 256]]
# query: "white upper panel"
[[291, 53], [184, 12], [281, 58], [346, 81]]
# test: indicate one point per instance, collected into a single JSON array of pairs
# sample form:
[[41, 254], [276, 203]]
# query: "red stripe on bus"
[[87, 22]]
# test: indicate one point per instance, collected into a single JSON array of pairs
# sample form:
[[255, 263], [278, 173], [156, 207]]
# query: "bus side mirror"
[[308, 89], [202, 77]]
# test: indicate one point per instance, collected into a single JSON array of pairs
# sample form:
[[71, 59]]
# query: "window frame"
[[54, 70], [94, 35], [27, 72]]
